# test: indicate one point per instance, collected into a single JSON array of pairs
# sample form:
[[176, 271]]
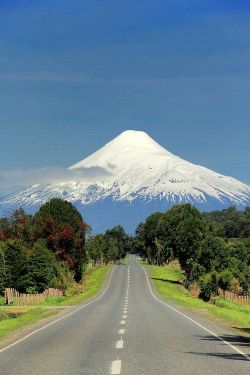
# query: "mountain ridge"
[[134, 167]]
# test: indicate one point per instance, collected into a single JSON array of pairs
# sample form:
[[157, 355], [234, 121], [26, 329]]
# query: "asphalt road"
[[126, 330]]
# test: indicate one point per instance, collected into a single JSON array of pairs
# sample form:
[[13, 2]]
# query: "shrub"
[[208, 285], [225, 279]]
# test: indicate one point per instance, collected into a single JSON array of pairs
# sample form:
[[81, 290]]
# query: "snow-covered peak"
[[130, 146], [135, 167]]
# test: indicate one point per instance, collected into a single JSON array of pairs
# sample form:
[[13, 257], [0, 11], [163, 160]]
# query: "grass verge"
[[92, 283], [11, 320], [14, 319], [123, 261], [168, 283]]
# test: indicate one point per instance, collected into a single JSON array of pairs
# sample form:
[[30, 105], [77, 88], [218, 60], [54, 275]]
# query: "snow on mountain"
[[136, 168]]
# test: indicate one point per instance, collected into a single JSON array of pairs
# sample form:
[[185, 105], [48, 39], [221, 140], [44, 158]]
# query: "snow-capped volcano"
[[134, 167]]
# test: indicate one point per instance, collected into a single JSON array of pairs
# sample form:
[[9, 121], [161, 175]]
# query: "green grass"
[[139, 260], [123, 261], [168, 283], [92, 283], [11, 321]]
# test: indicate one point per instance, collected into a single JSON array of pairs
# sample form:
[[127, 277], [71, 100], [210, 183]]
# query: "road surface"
[[127, 331]]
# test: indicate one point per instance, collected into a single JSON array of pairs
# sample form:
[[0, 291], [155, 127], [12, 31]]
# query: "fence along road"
[[128, 331]]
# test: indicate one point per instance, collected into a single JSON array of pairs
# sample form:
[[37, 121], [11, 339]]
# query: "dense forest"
[[213, 249], [53, 248]]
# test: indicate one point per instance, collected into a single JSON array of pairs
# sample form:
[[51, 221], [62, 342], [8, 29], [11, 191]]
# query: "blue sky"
[[74, 74]]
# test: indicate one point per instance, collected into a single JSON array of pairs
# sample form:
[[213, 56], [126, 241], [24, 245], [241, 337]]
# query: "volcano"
[[136, 176]]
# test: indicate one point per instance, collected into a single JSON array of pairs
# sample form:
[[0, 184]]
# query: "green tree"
[[16, 261], [208, 285], [2, 269], [213, 254], [154, 247], [62, 226], [61, 211], [96, 248], [139, 241], [40, 268], [182, 228], [112, 250], [123, 240], [225, 279]]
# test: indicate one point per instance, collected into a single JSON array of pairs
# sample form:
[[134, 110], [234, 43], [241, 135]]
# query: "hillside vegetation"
[[53, 249], [213, 249]]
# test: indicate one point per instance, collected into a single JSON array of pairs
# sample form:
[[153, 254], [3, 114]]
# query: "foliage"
[[62, 226], [201, 244], [230, 222], [108, 247], [49, 249], [168, 283], [16, 264], [208, 285], [124, 242], [40, 268], [96, 247]]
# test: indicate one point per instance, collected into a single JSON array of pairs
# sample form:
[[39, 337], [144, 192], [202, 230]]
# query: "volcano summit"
[[132, 176]]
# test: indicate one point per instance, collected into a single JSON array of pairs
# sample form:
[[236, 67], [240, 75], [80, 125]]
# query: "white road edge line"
[[123, 321], [121, 331], [59, 319], [193, 321], [116, 367]]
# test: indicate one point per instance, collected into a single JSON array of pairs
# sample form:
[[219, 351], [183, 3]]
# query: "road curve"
[[127, 331]]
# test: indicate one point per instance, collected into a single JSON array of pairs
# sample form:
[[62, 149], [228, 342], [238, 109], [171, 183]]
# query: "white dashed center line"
[[119, 344], [116, 367]]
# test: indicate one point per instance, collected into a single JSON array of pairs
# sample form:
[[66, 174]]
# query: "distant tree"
[[139, 241], [21, 225], [230, 222], [123, 240], [96, 248], [154, 247], [112, 250]]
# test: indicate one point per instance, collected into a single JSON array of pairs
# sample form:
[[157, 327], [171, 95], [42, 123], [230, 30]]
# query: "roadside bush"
[[225, 279], [208, 285], [63, 278]]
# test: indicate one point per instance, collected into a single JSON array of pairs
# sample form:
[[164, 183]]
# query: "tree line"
[[53, 247], [213, 249]]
